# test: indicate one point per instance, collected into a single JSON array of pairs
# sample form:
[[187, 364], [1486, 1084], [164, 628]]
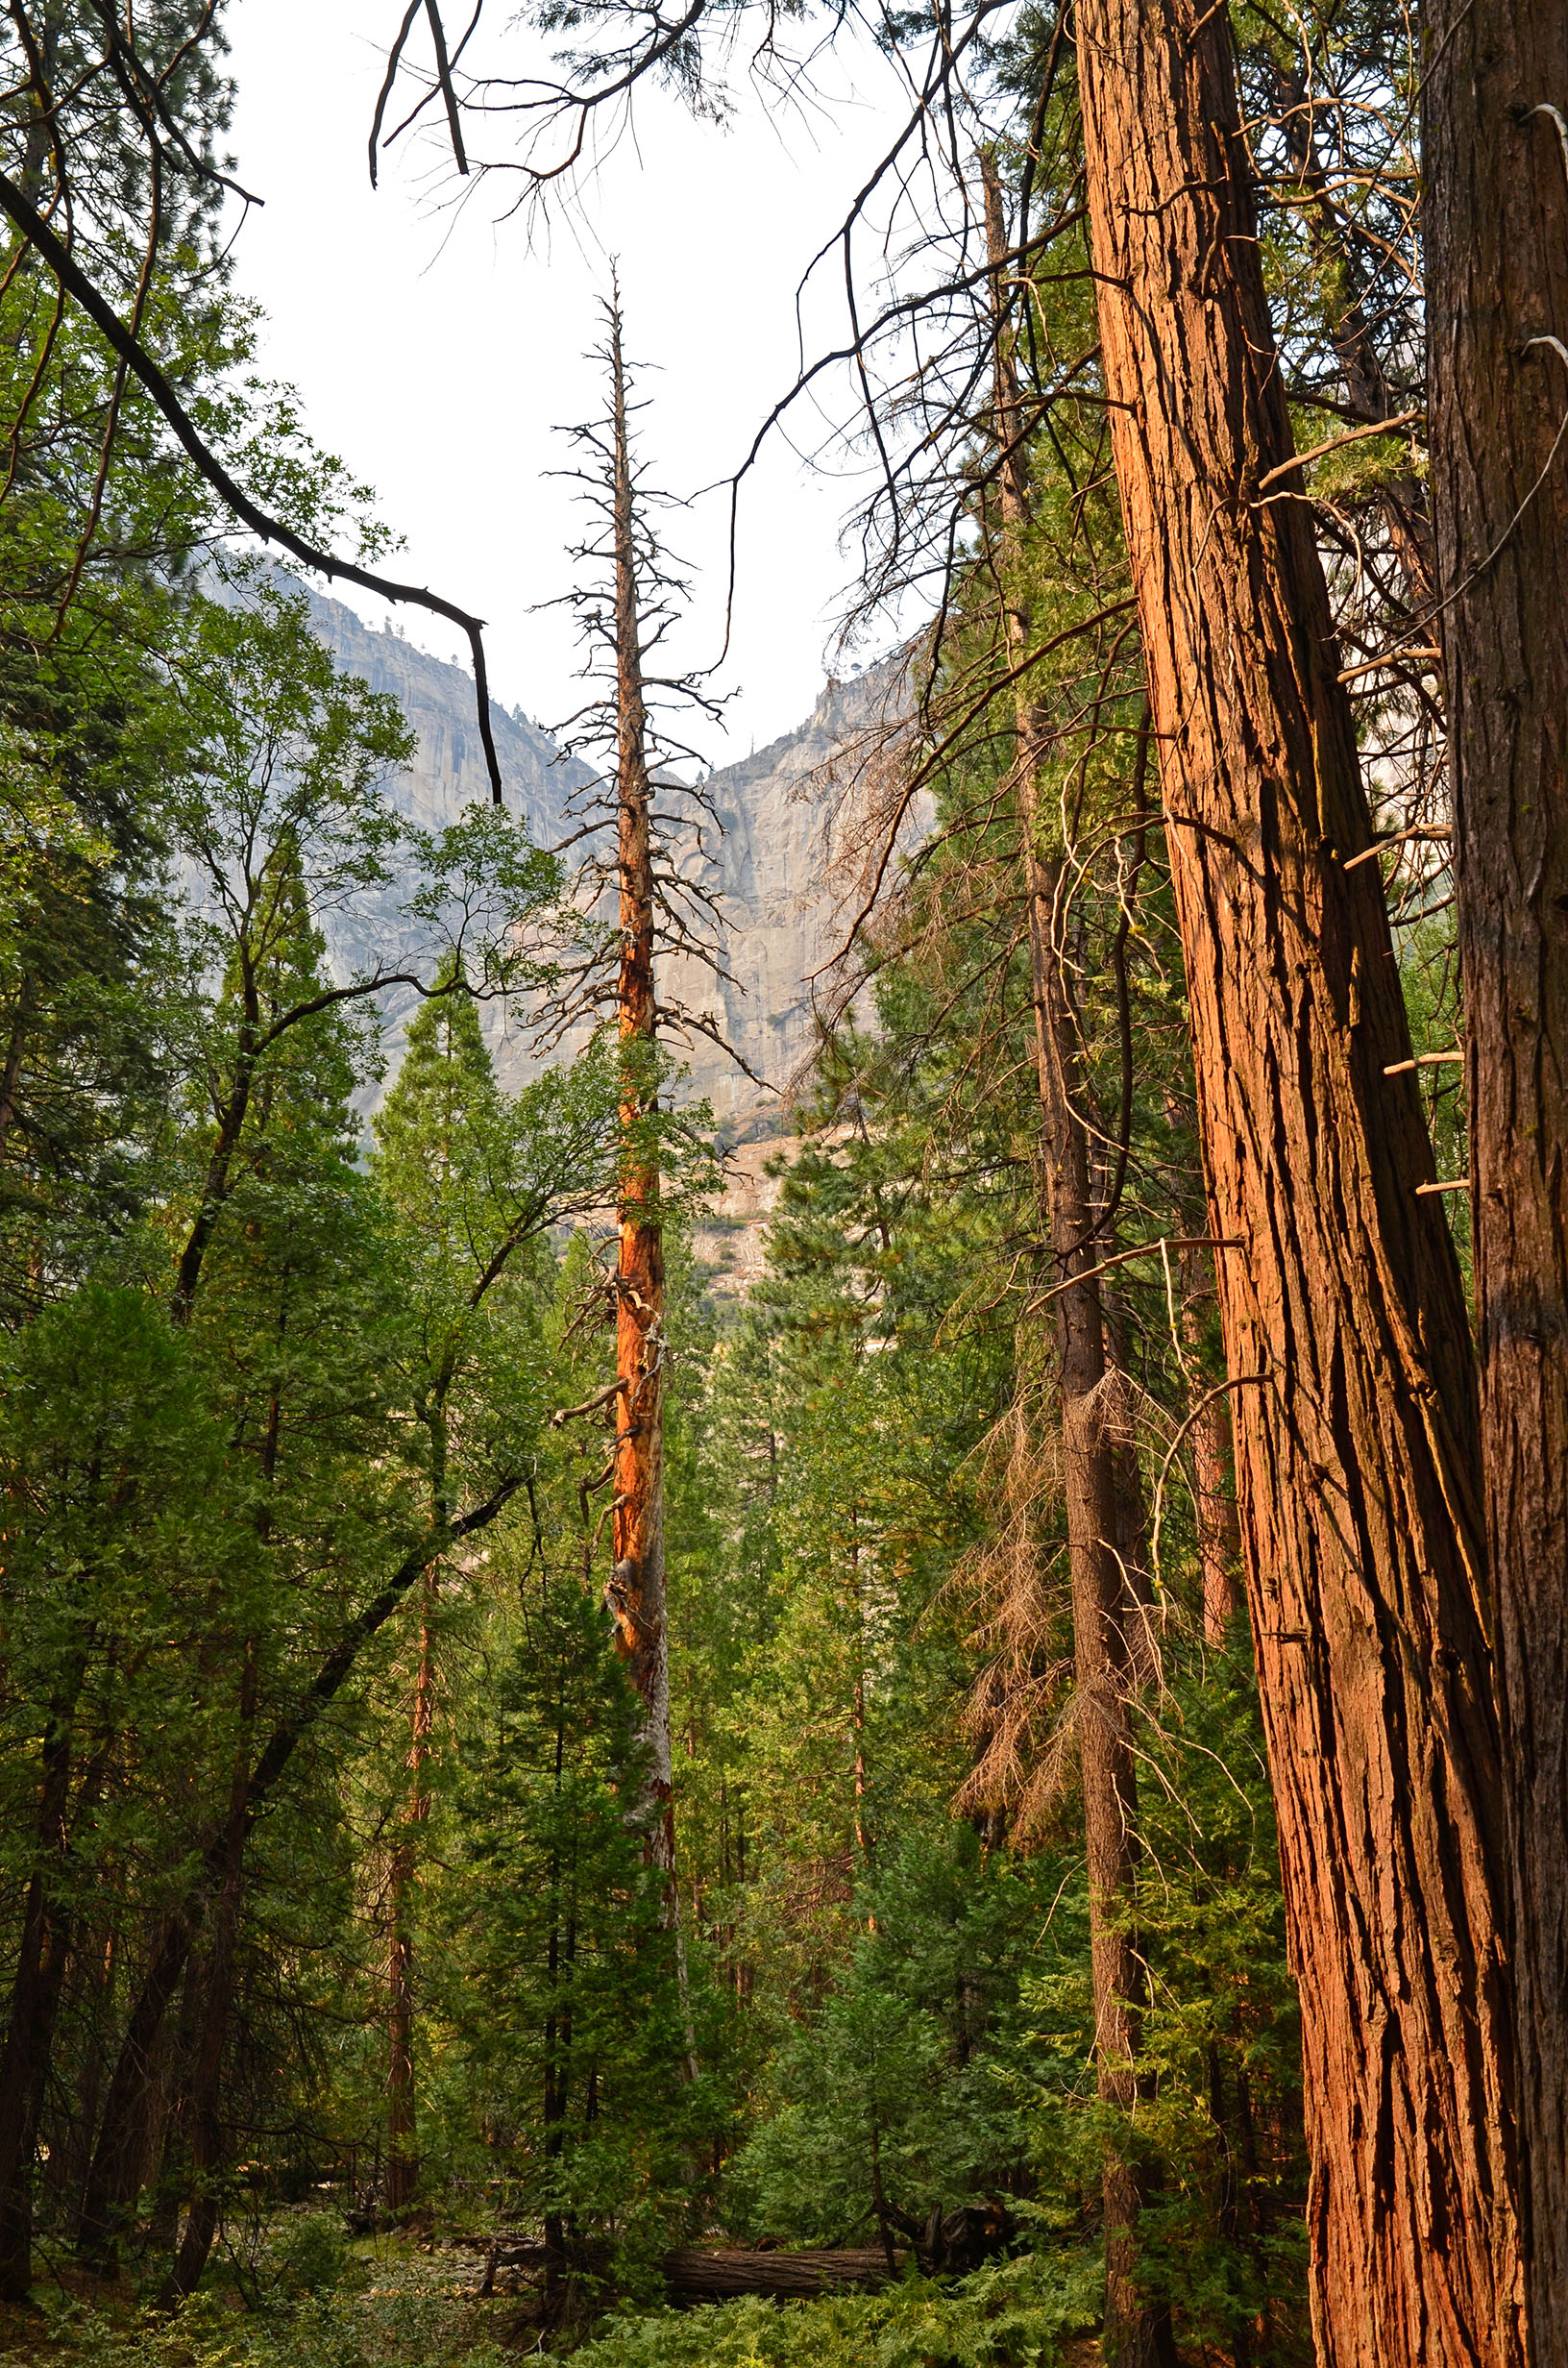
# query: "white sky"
[[435, 353]]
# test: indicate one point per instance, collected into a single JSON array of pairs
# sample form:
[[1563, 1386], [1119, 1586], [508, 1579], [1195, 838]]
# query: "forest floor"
[[298, 2295]]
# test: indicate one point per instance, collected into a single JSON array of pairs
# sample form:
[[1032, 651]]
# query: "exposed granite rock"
[[777, 899]]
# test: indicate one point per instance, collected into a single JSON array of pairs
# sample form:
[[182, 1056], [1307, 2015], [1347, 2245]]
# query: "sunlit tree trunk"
[[1343, 1315], [1496, 214], [637, 1592]]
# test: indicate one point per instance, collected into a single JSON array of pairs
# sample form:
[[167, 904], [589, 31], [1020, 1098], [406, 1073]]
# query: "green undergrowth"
[[394, 2311], [381, 2306], [1014, 2314]]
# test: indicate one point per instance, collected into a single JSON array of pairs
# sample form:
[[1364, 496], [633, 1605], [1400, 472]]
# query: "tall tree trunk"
[[111, 2185], [35, 1998], [203, 2118], [111, 2189], [636, 1593], [1103, 1661], [1343, 1315], [1497, 247], [402, 2134]]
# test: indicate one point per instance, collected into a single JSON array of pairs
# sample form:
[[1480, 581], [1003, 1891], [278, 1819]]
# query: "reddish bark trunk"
[[636, 1592], [1497, 246], [1343, 1317], [1219, 1537]]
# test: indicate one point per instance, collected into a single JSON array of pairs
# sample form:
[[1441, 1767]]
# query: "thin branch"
[[75, 282]]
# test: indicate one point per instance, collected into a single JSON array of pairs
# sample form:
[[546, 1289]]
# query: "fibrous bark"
[[1497, 244], [1343, 1314]]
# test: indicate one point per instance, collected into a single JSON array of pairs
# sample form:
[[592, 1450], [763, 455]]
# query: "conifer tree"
[[1105, 1583], [443, 1107], [1350, 1363], [475, 1178]]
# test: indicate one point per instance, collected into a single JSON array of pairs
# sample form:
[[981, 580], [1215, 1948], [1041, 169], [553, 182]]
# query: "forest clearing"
[[784, 1545]]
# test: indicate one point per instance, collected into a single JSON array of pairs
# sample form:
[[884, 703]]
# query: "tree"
[[1496, 153], [561, 1978], [475, 1180], [1357, 1475], [1105, 1598], [661, 905]]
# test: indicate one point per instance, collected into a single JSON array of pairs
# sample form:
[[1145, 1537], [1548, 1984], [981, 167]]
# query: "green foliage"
[[560, 1980], [253, 1370], [312, 2254], [1013, 2315]]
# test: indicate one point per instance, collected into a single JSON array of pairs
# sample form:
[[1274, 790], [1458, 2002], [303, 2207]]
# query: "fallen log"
[[718, 2273], [709, 2273]]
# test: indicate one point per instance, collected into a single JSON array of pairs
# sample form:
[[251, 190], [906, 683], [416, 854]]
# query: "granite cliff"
[[777, 810]]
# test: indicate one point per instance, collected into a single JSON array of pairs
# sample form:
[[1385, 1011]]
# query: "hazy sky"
[[436, 350]]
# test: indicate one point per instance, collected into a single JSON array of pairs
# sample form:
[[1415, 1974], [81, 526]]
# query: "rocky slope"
[[777, 811]]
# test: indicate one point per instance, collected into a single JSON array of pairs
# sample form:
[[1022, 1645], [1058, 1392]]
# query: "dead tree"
[[1351, 1373], [654, 866]]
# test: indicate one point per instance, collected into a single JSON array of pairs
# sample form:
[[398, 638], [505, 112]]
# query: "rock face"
[[773, 869]]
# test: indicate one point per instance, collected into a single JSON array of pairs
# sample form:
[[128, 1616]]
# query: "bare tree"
[[654, 864]]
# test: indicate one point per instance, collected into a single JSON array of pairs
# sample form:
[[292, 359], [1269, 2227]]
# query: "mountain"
[[777, 810]]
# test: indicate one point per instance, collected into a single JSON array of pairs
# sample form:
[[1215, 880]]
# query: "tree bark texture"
[[636, 1592], [1343, 1315], [1497, 248]]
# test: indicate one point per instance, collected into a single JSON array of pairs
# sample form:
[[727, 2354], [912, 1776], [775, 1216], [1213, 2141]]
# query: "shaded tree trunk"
[[1343, 1315], [1103, 1659], [1368, 401], [111, 2190], [1497, 247], [1219, 1538], [402, 2134], [34, 2000], [110, 2186], [203, 2118]]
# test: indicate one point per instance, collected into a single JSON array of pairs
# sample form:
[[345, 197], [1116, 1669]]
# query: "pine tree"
[[437, 1134]]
